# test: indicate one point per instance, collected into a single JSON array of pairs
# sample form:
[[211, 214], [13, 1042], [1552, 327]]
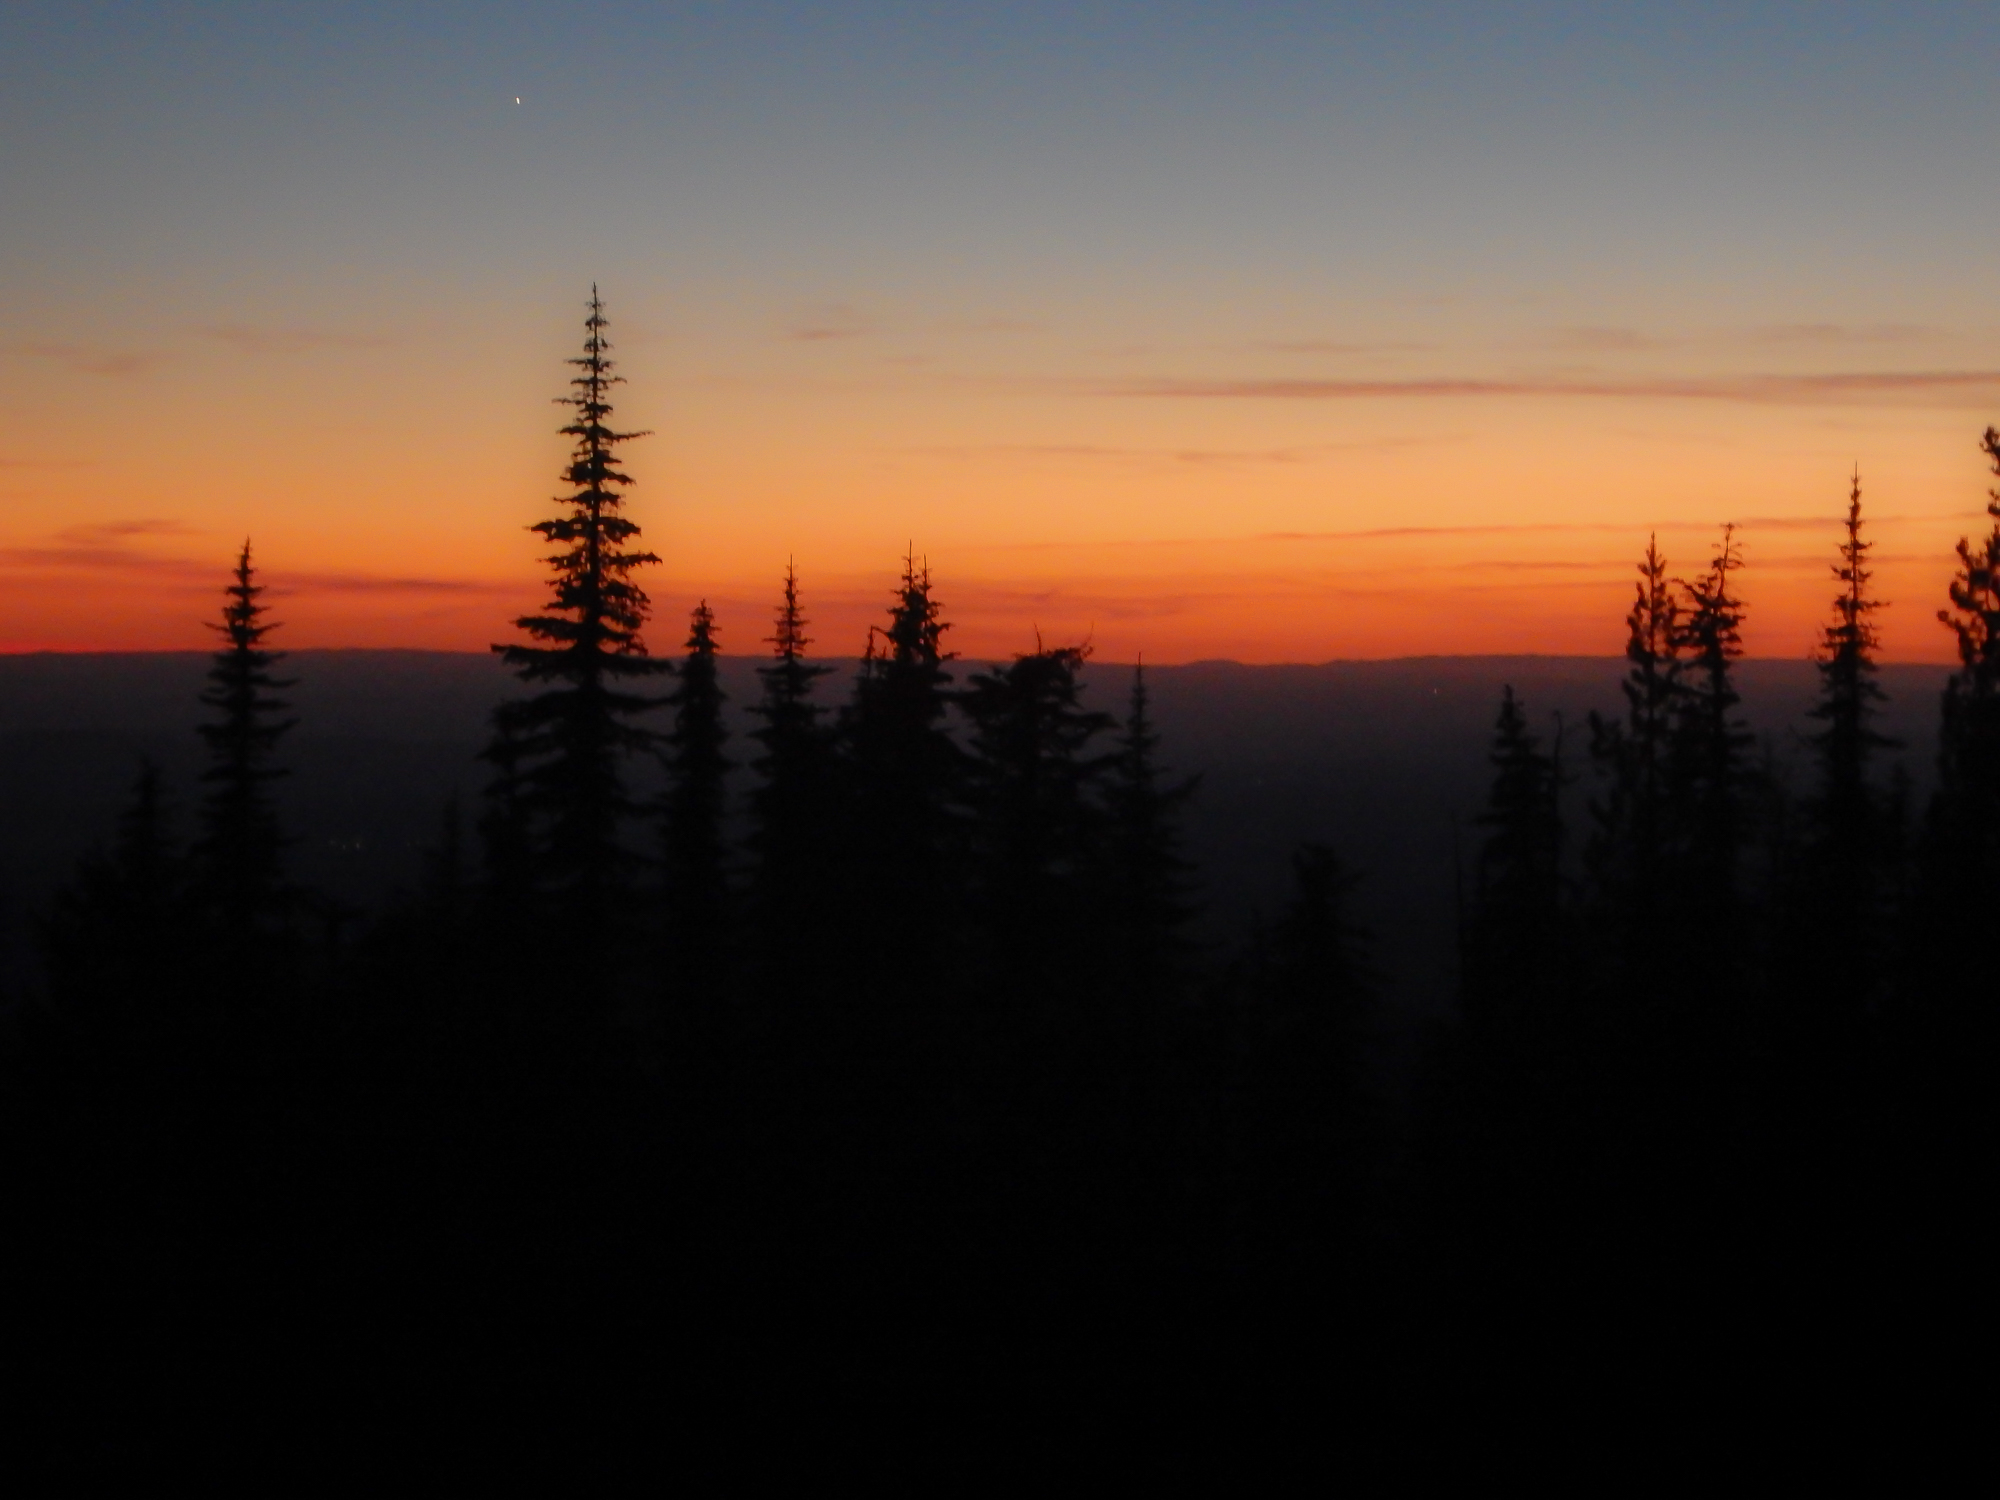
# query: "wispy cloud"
[[1621, 528], [110, 533], [1631, 529], [254, 338], [104, 547], [1841, 333], [1984, 385], [819, 325], [1004, 325], [93, 359], [1596, 339], [368, 583], [1199, 458], [1338, 346], [104, 558]]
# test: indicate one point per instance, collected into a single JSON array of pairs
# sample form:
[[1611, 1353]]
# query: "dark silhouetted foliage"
[[239, 844], [697, 907], [1630, 853], [963, 1070], [566, 745], [1516, 946], [1149, 878]]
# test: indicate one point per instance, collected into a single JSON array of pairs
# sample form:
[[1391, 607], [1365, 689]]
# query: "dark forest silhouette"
[[936, 1030]]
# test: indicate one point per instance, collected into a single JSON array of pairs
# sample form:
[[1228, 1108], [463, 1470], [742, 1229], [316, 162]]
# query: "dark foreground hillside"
[[1386, 761], [1431, 1094]]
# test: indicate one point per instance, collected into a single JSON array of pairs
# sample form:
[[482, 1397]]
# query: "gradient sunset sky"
[[1259, 330]]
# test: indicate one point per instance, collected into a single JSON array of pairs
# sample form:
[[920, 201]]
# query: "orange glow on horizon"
[[1255, 527]]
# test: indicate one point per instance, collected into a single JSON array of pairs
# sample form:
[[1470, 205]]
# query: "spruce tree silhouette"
[[1969, 745], [1711, 743], [1629, 852], [1149, 877], [792, 813], [506, 912], [1844, 883], [1523, 1074], [115, 936], [1037, 829], [1959, 874], [906, 778], [1818, 1055], [697, 910], [567, 743], [237, 853], [1302, 1032], [1516, 947]]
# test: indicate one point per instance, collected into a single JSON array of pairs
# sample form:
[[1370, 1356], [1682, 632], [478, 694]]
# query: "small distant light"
[[517, 98]]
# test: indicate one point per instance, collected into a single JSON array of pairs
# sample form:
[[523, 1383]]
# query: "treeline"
[[937, 1023]]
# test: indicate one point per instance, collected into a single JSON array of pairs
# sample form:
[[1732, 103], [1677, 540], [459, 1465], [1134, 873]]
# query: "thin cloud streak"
[[104, 559], [251, 338], [364, 583], [1542, 528], [99, 548], [1842, 333], [829, 323], [1185, 457], [90, 359], [1747, 523], [1764, 390], [96, 533]]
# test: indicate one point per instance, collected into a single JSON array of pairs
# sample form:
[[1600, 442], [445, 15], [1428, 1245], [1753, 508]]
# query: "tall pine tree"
[[796, 760], [1628, 851], [792, 806], [568, 742], [1959, 891], [1037, 829], [1148, 874], [1515, 949], [238, 851], [904, 834], [1711, 744], [1843, 884], [907, 771], [115, 939], [697, 896], [1969, 746]]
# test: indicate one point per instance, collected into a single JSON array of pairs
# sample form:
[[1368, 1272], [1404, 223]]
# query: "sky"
[[1273, 331]]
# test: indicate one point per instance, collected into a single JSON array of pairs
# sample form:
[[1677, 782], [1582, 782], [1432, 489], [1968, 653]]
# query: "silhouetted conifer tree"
[[1149, 877], [1516, 948], [567, 744], [447, 886], [237, 853], [116, 936], [1960, 876], [1843, 884], [792, 807], [1037, 832], [1711, 745], [1318, 958], [697, 905], [506, 873], [1629, 851], [1302, 1032], [900, 890], [1969, 748], [907, 772]]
